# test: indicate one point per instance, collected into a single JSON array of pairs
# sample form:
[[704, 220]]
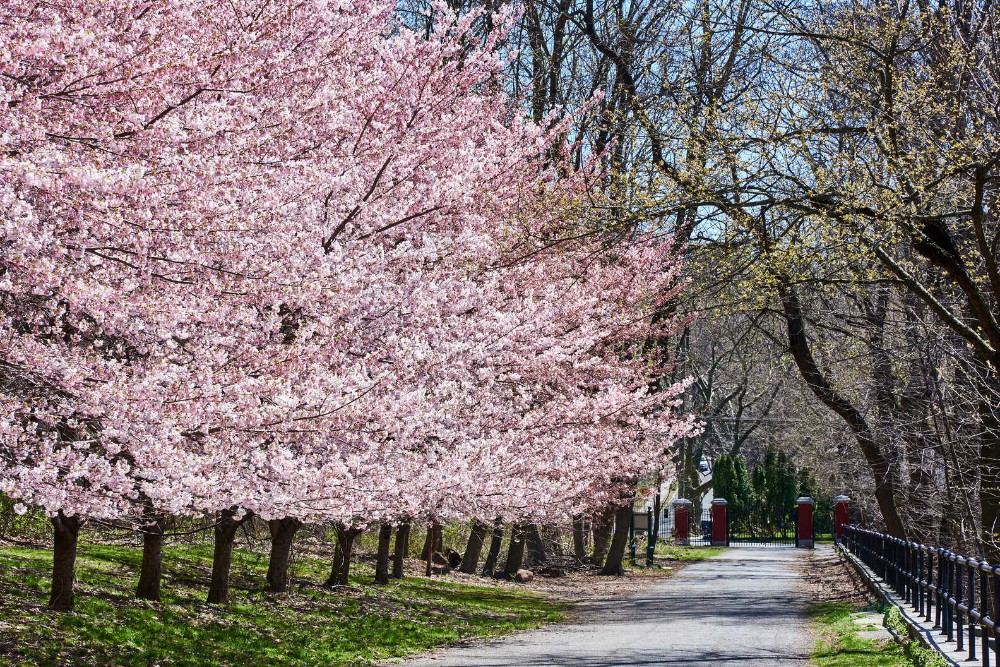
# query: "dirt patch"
[[581, 586], [828, 577], [587, 586]]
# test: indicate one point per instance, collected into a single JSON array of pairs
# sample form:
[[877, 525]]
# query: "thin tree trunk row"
[[526, 547]]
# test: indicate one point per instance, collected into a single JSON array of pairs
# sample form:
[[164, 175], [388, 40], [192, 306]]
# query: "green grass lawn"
[[682, 553], [840, 645], [311, 625]]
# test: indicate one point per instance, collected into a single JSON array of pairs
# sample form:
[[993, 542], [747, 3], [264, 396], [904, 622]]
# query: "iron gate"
[[760, 524], [699, 528]]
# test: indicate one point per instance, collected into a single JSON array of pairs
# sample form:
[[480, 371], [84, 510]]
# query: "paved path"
[[740, 608]]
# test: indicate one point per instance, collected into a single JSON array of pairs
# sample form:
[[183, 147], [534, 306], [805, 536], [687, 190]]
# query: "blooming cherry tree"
[[293, 259]]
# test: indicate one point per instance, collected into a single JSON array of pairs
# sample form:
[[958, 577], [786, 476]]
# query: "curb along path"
[[744, 607]]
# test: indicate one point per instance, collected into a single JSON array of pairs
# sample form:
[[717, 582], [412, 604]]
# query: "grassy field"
[[840, 645], [311, 625]]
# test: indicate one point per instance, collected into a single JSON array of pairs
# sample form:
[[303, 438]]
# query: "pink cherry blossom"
[[295, 258]]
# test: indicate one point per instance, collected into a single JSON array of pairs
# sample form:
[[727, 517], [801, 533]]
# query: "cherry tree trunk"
[[433, 541], [470, 559], [426, 549], [226, 526], [347, 550], [602, 534], [496, 542], [340, 570], [616, 554], [427, 554], [515, 552], [401, 550], [66, 530], [151, 571], [428, 544], [535, 545], [337, 563], [382, 558], [282, 535], [579, 539]]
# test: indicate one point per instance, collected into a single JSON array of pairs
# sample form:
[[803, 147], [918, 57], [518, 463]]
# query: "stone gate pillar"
[[682, 521], [720, 527], [804, 537], [841, 515]]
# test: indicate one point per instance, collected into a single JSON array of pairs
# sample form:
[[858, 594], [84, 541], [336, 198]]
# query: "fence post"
[[631, 538], [650, 544], [719, 524], [841, 516], [682, 521], [805, 529]]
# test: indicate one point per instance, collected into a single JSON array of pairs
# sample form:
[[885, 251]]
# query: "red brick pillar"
[[805, 531], [720, 529], [841, 507], [682, 521]]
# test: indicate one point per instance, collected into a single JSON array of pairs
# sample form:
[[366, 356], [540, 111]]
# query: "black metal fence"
[[823, 520], [757, 525], [699, 528], [762, 525], [955, 593]]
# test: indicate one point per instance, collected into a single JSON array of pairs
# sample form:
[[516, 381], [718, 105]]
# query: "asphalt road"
[[740, 608]]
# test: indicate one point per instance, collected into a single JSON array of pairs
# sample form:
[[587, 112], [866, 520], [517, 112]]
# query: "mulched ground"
[[578, 585], [827, 577]]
